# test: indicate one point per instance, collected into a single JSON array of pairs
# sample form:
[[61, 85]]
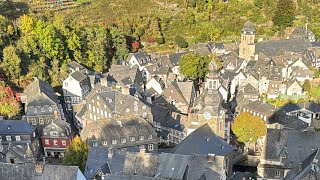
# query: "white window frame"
[[8, 138], [150, 136], [123, 140], [54, 133], [42, 109], [46, 141], [64, 142], [105, 142], [55, 142], [141, 138], [277, 173], [114, 141], [41, 121], [34, 134], [18, 138], [95, 143], [150, 147], [132, 139]]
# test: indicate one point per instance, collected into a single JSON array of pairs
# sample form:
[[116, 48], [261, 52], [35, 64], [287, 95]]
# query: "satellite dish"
[[207, 115]]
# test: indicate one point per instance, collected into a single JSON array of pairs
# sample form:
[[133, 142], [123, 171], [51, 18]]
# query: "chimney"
[[38, 168], [110, 153], [142, 150], [55, 115], [211, 157]]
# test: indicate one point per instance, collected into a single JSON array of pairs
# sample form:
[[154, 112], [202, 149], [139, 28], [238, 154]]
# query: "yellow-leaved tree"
[[76, 153], [248, 128]]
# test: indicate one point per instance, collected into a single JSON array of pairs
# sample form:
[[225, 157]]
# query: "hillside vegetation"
[[41, 37]]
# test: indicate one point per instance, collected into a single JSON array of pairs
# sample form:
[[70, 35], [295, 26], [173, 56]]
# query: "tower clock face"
[[207, 115]]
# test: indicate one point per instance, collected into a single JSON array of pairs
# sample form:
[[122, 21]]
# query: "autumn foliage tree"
[[248, 128], [194, 66], [76, 153], [9, 106]]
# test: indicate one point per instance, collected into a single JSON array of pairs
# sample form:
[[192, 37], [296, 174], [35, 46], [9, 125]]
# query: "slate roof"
[[248, 26], [15, 127], [201, 48], [24, 155], [309, 168], [182, 91], [315, 44], [293, 146], [301, 32], [76, 66], [170, 119], [27, 172], [292, 81], [272, 48], [128, 177], [78, 76], [210, 101], [260, 107], [39, 93], [172, 166], [141, 164], [122, 74], [311, 106], [98, 161], [203, 141], [175, 58], [110, 129]]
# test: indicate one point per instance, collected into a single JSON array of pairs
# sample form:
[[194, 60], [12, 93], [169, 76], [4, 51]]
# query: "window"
[[64, 142], [35, 110], [150, 147], [277, 173], [46, 141], [132, 139], [150, 136], [8, 138], [66, 84], [34, 134], [55, 142], [54, 133], [42, 109], [105, 114], [123, 140], [90, 107], [34, 122], [95, 143], [18, 138], [41, 121], [50, 109], [127, 110], [47, 120], [114, 141], [104, 143], [141, 138]]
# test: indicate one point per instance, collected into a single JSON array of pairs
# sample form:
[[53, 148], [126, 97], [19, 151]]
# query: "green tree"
[[248, 128], [76, 153], [181, 42], [10, 63], [194, 66], [284, 14], [306, 86], [9, 106]]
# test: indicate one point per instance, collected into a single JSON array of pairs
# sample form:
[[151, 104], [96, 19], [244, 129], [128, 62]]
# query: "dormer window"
[[150, 136], [35, 110], [123, 140], [42, 109], [50, 109], [114, 141], [54, 133]]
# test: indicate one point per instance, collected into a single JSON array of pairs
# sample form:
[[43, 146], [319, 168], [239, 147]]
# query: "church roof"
[[248, 26]]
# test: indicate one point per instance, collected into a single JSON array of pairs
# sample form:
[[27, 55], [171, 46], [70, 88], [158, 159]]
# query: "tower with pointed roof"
[[247, 46], [212, 82]]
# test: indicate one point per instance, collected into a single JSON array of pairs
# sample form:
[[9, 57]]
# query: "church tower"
[[247, 46], [212, 82]]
